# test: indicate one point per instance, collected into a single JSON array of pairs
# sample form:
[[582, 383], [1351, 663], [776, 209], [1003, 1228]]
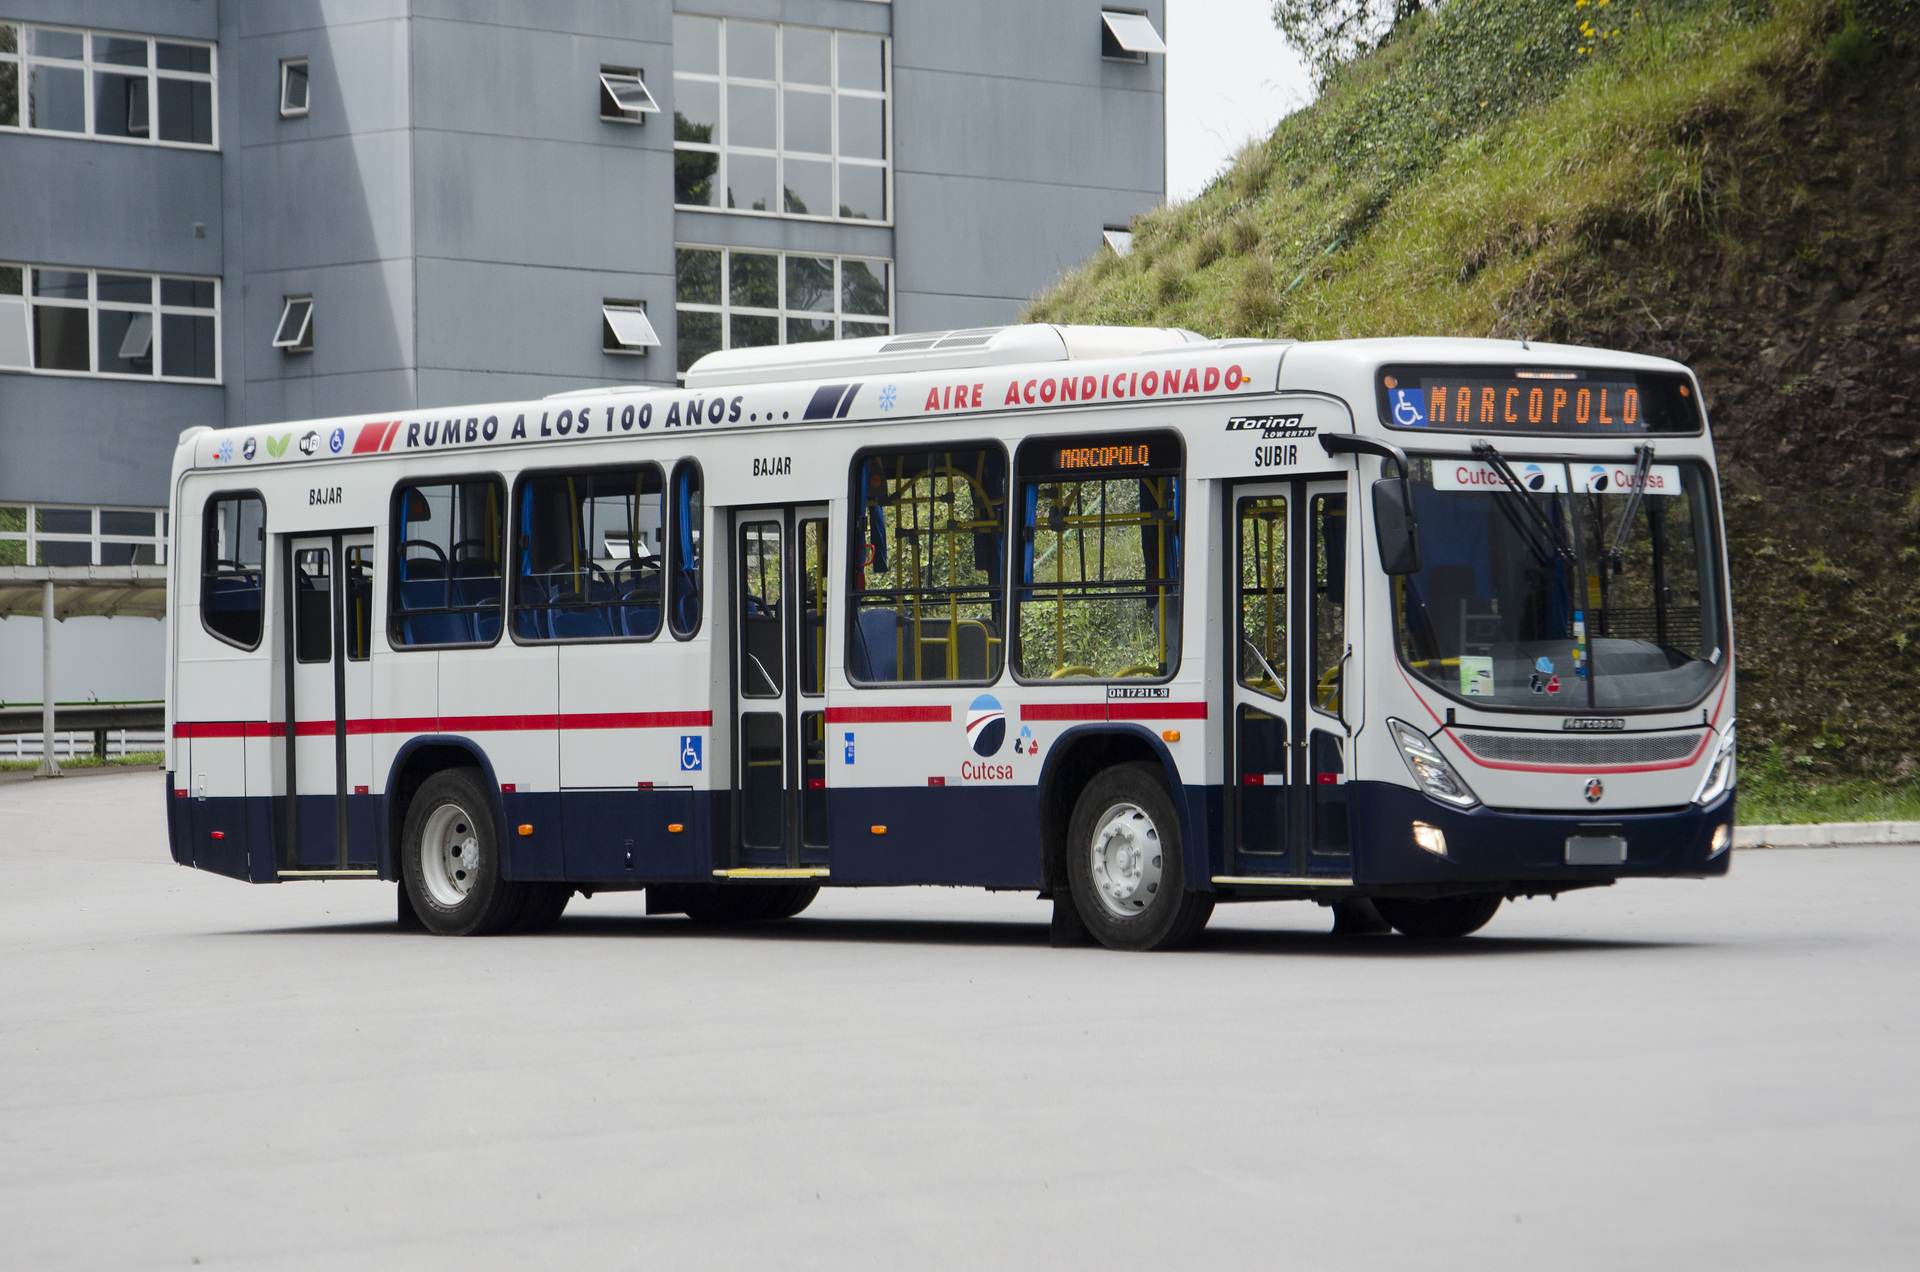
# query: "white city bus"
[[1138, 620]]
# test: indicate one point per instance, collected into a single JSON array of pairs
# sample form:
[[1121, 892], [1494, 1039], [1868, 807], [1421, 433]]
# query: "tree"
[[1330, 33]]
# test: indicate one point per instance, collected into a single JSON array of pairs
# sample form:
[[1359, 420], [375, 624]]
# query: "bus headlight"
[[1719, 774], [1430, 768]]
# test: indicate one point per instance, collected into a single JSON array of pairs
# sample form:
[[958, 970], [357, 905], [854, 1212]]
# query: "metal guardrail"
[[82, 717]]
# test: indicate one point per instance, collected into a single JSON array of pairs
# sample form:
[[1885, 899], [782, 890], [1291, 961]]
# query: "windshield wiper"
[[1643, 462], [1531, 523]]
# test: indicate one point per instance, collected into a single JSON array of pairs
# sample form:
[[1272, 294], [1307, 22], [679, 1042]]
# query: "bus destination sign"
[[1523, 400]]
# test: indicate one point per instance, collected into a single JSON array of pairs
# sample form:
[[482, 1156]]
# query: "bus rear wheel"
[[1438, 919], [1124, 864], [748, 902], [450, 858]]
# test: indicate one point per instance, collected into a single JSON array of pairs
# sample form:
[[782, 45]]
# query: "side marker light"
[[674, 828], [526, 828], [1170, 735], [878, 830], [219, 834]]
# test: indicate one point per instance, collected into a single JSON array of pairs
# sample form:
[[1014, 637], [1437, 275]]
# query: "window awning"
[[139, 337], [630, 327], [629, 94], [295, 320], [1133, 32]]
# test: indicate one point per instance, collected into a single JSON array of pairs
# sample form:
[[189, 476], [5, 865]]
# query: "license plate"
[[1596, 850]]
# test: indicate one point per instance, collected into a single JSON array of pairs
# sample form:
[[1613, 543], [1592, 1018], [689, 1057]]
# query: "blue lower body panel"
[[1493, 846], [986, 836]]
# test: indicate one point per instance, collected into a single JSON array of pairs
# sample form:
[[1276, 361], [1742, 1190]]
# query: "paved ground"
[[1659, 1075]]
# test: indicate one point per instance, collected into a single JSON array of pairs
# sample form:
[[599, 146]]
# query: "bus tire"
[[1439, 919], [1124, 863], [450, 858], [794, 897], [542, 906]]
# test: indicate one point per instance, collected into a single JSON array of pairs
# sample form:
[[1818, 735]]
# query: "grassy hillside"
[[1724, 183]]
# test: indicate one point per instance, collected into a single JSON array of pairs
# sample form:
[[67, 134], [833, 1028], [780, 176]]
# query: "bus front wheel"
[[1440, 919], [450, 858], [1125, 867]]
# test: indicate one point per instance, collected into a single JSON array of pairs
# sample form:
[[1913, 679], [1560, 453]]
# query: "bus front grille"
[[1539, 748]]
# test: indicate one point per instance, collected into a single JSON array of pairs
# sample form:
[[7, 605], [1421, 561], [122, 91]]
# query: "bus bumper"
[[1498, 847]]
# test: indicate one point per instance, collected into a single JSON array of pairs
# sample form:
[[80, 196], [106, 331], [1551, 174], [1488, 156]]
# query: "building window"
[[42, 534], [624, 98], [729, 298], [784, 120], [293, 88], [1128, 37], [624, 327], [97, 322], [1119, 240], [295, 332], [108, 86]]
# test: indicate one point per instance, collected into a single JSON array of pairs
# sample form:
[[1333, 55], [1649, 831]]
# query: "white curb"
[[1826, 834]]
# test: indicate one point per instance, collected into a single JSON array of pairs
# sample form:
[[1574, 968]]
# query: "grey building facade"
[[479, 202]]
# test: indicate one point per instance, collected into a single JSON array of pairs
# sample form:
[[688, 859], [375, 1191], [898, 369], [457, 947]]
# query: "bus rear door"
[[779, 559], [1290, 659], [329, 601]]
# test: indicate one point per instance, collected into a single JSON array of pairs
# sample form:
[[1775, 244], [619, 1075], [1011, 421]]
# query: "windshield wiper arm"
[[1537, 528], [1643, 462]]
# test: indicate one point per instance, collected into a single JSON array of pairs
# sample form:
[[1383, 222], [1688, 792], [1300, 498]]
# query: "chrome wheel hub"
[[1127, 862], [449, 855]]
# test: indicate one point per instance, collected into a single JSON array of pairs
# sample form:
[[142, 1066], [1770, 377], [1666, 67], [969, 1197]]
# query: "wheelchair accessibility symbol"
[[689, 754], [1409, 408]]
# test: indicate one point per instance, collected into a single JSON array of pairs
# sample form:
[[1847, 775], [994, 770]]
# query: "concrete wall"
[[459, 211], [1017, 143]]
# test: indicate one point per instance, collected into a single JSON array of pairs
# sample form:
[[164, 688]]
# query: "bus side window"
[[587, 555], [1098, 593], [683, 583], [232, 581], [445, 585], [928, 543]]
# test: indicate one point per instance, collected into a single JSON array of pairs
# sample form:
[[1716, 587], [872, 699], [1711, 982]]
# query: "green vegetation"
[[1722, 182], [133, 759], [1771, 792], [1479, 149]]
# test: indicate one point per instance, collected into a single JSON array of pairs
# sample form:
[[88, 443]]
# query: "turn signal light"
[[526, 828], [1170, 735]]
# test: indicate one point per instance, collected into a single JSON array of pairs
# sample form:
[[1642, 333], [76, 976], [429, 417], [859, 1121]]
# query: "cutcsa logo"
[[986, 725]]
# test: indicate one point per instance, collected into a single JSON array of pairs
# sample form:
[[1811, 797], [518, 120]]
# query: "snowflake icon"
[[887, 398]]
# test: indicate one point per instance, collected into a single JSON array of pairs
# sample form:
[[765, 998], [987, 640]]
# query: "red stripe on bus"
[[1063, 711], [225, 729], [393, 431], [639, 720], [1156, 710], [889, 715], [369, 438]]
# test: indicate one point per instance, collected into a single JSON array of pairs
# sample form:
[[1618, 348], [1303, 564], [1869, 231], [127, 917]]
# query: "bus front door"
[[1290, 657], [779, 683], [328, 610]]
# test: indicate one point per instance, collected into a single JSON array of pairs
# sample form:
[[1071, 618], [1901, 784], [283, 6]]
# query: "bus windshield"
[[1565, 595]]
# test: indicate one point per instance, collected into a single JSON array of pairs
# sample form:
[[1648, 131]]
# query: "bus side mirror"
[[1393, 525]]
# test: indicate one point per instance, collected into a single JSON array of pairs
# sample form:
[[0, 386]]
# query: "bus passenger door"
[[780, 565], [1290, 657], [328, 607], [1263, 696]]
